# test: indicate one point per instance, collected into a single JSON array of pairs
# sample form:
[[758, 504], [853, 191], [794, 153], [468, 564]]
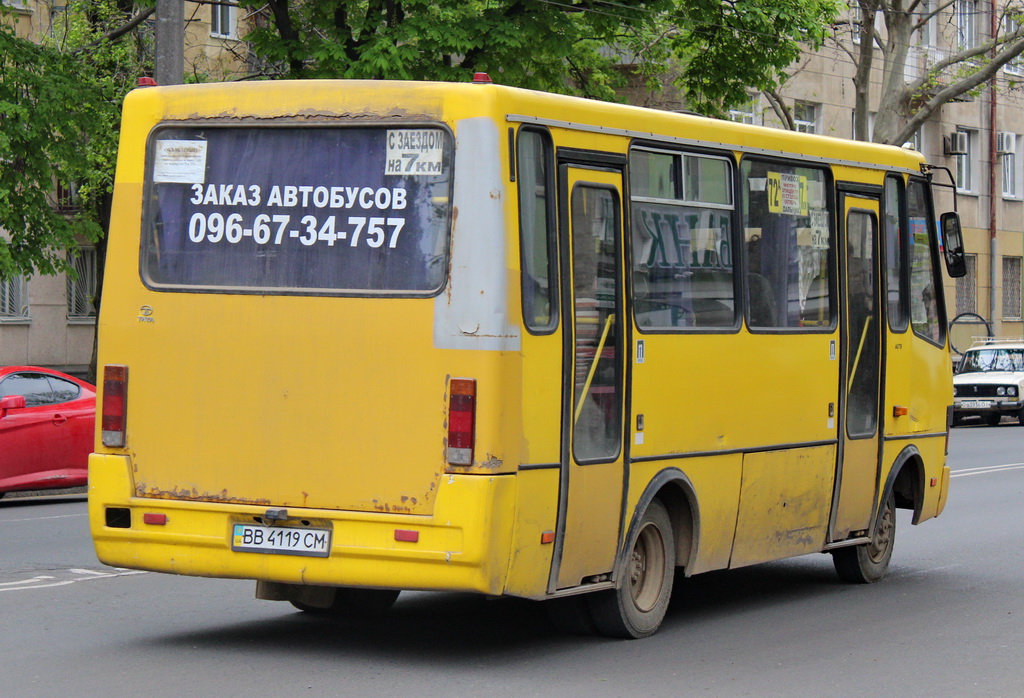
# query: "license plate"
[[281, 540], [976, 404]]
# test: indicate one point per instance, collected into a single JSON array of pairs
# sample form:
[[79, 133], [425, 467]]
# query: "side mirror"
[[953, 242], [11, 402]]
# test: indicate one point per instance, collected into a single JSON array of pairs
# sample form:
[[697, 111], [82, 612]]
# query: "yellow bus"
[[365, 337]]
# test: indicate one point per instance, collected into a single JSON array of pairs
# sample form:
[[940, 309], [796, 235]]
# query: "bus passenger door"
[[592, 452], [857, 473]]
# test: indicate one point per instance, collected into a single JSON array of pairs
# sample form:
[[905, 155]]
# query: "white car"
[[989, 382]]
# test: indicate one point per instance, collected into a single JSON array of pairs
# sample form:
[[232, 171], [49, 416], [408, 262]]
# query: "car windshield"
[[985, 360]]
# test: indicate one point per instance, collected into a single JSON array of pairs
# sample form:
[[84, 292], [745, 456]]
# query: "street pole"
[[170, 42]]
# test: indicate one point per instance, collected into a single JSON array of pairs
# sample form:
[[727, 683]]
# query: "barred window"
[[82, 290], [14, 298], [967, 287], [1011, 288]]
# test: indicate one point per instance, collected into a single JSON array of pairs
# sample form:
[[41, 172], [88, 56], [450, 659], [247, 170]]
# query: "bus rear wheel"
[[866, 564], [353, 603], [636, 607]]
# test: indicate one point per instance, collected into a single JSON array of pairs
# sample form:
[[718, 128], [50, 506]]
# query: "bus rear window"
[[307, 210]]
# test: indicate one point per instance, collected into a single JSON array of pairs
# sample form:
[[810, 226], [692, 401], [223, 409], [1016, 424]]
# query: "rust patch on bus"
[[304, 116], [195, 495], [385, 508], [451, 256]]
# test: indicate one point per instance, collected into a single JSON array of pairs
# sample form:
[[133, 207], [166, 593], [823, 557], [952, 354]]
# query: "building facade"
[[979, 138], [51, 320]]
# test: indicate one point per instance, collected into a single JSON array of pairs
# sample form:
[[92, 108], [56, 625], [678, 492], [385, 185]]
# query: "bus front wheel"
[[636, 607], [865, 564]]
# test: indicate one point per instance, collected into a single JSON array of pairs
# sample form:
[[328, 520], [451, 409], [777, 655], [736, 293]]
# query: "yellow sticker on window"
[[787, 194]]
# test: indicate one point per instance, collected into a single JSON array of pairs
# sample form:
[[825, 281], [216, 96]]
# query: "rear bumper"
[[464, 545]]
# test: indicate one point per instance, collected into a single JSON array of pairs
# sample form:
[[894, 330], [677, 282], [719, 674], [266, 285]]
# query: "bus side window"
[[926, 315], [537, 230], [894, 220], [681, 239], [789, 246]]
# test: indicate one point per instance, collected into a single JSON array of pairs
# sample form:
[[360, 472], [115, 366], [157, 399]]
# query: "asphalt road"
[[948, 620]]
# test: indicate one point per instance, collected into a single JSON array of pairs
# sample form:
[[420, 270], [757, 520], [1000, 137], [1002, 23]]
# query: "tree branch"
[[780, 109], [116, 34]]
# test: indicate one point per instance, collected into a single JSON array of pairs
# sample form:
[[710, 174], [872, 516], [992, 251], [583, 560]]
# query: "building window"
[[966, 23], [222, 20], [82, 290], [1011, 288], [853, 124], [916, 141], [65, 198], [967, 287], [14, 298], [745, 113], [805, 117], [856, 18], [1015, 66], [965, 164], [930, 29], [1010, 166]]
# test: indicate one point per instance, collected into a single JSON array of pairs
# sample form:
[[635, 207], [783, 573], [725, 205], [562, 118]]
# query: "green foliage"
[[528, 43], [730, 47], [59, 119], [574, 46]]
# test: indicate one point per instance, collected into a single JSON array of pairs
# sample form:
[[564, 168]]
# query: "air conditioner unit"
[[1006, 142], [957, 143]]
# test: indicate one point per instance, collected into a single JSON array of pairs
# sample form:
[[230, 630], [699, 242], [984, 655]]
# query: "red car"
[[46, 429]]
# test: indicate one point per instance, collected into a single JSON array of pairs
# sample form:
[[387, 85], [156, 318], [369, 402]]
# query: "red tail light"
[[461, 420], [115, 405]]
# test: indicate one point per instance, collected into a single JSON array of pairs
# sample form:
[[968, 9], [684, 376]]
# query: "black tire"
[[636, 607], [993, 419], [866, 564], [354, 603], [571, 615]]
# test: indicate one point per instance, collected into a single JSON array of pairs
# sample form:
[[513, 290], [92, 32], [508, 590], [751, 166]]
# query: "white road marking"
[[984, 470], [45, 583], [44, 518], [24, 581]]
